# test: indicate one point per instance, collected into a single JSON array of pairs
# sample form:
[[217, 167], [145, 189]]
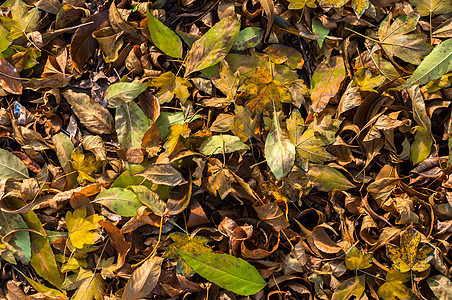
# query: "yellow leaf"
[[262, 89], [171, 85], [359, 6], [228, 82], [85, 165], [356, 259], [21, 21], [393, 288], [92, 286], [299, 4], [186, 243], [82, 230], [176, 131], [368, 81], [409, 256]]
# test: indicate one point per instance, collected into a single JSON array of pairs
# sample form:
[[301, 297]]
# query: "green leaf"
[[213, 46], [64, 148], [163, 37], [434, 65], [249, 37], [422, 145], [353, 287], [42, 257], [21, 21], [326, 178], [123, 92], [441, 286], [279, 150], [11, 166], [129, 177], [131, 125], [227, 271], [222, 143], [120, 201], [20, 240], [317, 28]]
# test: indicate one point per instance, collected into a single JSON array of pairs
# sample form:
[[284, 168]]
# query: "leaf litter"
[[222, 149]]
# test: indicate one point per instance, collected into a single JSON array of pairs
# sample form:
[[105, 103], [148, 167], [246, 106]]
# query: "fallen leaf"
[[163, 37], [170, 86], [11, 166], [143, 279], [10, 79], [223, 143], [82, 229], [353, 287], [120, 201], [356, 259]]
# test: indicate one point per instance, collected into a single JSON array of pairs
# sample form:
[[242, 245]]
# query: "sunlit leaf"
[[429, 7], [394, 287], [11, 166], [91, 286], [163, 37], [356, 259], [82, 229], [409, 256], [353, 287], [119, 200], [213, 46], [143, 279], [359, 6], [222, 143], [227, 271], [170, 86], [21, 21], [123, 92], [85, 165], [185, 243]]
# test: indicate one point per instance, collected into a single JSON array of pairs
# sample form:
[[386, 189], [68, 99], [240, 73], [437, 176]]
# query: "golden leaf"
[[82, 230], [85, 165], [171, 85]]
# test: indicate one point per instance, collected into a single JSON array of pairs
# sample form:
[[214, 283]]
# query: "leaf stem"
[[362, 35]]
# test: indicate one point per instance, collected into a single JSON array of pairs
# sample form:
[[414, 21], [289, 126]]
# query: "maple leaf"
[[171, 85], [85, 165], [368, 81], [228, 81], [428, 7], [409, 257], [263, 90], [359, 6], [21, 21], [82, 230], [176, 131], [300, 4], [396, 41], [393, 288], [186, 243], [91, 286], [356, 259]]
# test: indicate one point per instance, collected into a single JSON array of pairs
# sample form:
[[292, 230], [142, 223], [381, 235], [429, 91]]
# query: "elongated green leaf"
[[326, 178], [434, 65], [164, 38], [20, 240], [119, 200], [279, 150], [227, 271], [222, 143], [213, 46], [11, 166], [123, 92], [131, 125]]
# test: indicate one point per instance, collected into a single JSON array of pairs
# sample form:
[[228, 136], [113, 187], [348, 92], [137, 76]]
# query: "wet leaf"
[[120, 201], [143, 279], [227, 271], [213, 46], [82, 229], [163, 37], [184, 242], [409, 257]]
